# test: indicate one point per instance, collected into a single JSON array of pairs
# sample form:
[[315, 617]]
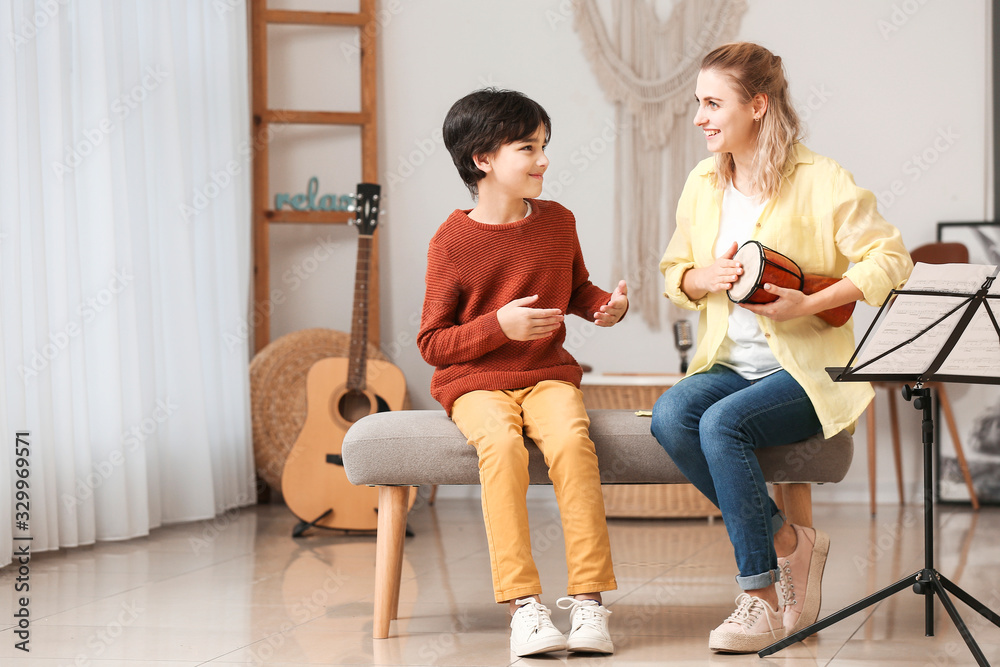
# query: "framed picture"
[[976, 406]]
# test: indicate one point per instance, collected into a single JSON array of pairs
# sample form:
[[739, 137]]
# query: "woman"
[[757, 378]]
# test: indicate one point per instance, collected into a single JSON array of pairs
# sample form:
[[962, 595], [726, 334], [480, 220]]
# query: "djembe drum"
[[762, 265]]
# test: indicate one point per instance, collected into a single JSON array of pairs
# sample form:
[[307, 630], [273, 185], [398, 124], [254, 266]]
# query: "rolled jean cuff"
[[755, 581]]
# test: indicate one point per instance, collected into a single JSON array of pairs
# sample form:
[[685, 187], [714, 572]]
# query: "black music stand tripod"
[[926, 581]]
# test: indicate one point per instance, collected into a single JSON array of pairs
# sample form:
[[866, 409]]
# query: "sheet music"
[[967, 278], [978, 350]]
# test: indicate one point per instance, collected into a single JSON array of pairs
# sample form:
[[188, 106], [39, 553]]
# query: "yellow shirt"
[[824, 222]]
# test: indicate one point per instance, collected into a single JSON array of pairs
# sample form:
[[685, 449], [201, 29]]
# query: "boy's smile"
[[517, 169]]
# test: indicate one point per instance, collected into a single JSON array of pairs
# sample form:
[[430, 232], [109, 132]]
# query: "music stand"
[[926, 581]]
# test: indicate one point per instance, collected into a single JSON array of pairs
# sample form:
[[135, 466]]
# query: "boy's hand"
[[613, 311], [521, 322]]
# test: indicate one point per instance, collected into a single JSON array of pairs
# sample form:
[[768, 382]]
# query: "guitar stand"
[[302, 526], [927, 581]]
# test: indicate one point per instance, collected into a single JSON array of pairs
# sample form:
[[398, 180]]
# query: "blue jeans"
[[710, 424]]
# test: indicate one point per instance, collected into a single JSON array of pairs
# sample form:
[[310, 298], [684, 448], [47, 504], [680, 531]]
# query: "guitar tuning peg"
[[381, 211], [374, 197], [352, 207]]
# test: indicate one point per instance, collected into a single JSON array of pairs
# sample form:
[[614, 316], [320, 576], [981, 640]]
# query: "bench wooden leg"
[[392, 510], [398, 559], [795, 500]]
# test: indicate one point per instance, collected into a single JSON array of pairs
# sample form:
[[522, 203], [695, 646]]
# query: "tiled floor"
[[240, 591]]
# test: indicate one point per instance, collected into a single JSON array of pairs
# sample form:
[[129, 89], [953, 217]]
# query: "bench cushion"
[[413, 447]]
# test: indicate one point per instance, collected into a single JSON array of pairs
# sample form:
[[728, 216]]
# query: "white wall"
[[878, 82]]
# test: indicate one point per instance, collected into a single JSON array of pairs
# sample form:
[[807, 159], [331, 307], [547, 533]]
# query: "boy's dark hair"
[[483, 121]]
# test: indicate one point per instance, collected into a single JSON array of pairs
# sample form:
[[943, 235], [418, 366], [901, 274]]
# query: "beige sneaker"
[[752, 627], [802, 578]]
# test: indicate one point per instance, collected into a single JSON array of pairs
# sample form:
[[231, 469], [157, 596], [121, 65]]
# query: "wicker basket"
[[639, 392], [278, 398]]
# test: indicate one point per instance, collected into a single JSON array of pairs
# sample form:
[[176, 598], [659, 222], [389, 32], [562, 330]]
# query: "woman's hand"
[[791, 303], [718, 276]]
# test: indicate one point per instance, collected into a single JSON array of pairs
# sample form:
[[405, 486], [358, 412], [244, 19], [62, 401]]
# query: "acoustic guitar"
[[338, 393]]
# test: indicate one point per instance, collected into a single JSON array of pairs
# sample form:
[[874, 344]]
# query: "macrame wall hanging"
[[647, 68]]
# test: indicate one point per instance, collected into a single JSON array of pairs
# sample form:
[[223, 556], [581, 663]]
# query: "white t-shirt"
[[745, 349]]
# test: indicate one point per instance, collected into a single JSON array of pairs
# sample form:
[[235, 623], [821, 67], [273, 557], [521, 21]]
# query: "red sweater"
[[473, 269]]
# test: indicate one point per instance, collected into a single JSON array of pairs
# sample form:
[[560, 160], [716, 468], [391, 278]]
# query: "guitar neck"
[[358, 359]]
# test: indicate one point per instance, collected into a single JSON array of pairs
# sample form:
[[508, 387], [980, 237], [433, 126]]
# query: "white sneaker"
[[751, 627], [588, 626], [531, 629]]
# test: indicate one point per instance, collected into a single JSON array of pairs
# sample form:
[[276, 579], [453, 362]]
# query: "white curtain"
[[124, 266]]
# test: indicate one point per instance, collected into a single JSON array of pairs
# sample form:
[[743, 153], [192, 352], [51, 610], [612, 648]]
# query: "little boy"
[[500, 279]]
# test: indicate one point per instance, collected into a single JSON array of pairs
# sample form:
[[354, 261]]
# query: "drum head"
[[751, 258]]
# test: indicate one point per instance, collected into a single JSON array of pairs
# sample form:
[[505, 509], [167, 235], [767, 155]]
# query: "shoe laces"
[[535, 613], [787, 584], [590, 613], [748, 610]]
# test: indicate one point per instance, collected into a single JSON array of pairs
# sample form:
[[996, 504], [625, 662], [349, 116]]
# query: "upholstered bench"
[[396, 450]]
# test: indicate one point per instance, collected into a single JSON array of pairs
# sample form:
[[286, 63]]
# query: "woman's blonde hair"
[[754, 70]]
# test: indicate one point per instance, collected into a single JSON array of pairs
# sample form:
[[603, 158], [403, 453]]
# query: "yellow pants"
[[552, 414]]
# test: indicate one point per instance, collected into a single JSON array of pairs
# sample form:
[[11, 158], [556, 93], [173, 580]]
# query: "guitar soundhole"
[[354, 405]]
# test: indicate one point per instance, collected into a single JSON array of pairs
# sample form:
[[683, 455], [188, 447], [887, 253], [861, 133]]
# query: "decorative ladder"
[[263, 117]]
